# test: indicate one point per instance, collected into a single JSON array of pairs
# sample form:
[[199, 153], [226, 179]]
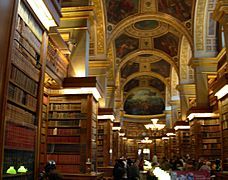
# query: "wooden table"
[[83, 176]]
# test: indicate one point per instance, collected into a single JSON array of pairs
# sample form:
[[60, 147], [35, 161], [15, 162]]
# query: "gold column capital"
[[221, 12]]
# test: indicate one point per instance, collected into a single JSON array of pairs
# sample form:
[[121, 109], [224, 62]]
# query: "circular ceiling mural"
[[144, 102], [146, 25], [146, 28]]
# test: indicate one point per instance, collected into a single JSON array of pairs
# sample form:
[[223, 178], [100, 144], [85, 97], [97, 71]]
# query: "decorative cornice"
[[221, 12]]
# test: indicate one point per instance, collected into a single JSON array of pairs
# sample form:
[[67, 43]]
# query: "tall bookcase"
[[23, 97], [183, 142], [104, 142], [72, 124], [205, 137], [224, 126]]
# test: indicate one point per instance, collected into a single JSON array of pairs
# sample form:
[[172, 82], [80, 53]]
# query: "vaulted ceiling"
[[145, 37], [142, 50]]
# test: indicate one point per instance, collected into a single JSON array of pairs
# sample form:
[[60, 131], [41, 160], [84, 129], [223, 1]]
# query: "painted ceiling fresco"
[[161, 67], [131, 84], [146, 25], [180, 9], [117, 10], [157, 83], [144, 102], [167, 43], [147, 39], [125, 44], [129, 68]]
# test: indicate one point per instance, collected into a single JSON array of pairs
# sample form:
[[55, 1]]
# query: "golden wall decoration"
[[199, 24], [99, 11]]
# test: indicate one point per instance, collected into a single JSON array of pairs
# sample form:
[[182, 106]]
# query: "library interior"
[[89, 87]]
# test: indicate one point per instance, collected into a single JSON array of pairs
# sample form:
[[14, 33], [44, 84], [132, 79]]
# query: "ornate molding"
[[199, 24], [100, 26], [158, 16]]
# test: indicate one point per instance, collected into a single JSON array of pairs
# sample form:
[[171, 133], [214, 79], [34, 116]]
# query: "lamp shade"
[[11, 170], [22, 169]]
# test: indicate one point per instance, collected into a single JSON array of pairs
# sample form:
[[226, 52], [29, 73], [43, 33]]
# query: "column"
[[203, 67], [79, 58]]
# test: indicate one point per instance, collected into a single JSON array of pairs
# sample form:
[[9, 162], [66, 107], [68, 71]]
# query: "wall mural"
[[180, 9], [131, 84], [161, 67], [129, 68], [144, 102], [119, 9], [168, 43], [146, 25], [157, 83], [125, 44]]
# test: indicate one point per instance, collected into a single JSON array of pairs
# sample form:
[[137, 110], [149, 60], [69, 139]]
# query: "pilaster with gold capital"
[[187, 92], [203, 67]]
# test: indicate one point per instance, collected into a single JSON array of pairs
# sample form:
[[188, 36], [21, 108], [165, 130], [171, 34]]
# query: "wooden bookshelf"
[[71, 139], [104, 137], [22, 113], [183, 142], [205, 138], [104, 142], [224, 127]]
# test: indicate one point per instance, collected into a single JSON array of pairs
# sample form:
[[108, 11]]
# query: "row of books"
[[23, 81], [17, 114], [68, 132], [18, 95], [210, 128], [64, 123], [212, 146], [64, 158], [28, 35], [19, 137], [69, 139], [23, 61], [65, 148], [57, 115], [211, 134], [65, 107], [65, 99]]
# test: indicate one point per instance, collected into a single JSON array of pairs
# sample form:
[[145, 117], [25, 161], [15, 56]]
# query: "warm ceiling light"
[[111, 117], [121, 134], [170, 134], [165, 137], [86, 90], [42, 13], [154, 121], [193, 115], [181, 127], [124, 138], [222, 92], [116, 128]]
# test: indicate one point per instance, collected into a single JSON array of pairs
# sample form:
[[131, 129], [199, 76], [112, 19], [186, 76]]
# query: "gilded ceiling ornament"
[[148, 6], [199, 25], [100, 25], [183, 59], [145, 28]]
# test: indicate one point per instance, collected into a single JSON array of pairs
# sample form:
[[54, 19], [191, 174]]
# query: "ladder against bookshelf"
[[43, 132]]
